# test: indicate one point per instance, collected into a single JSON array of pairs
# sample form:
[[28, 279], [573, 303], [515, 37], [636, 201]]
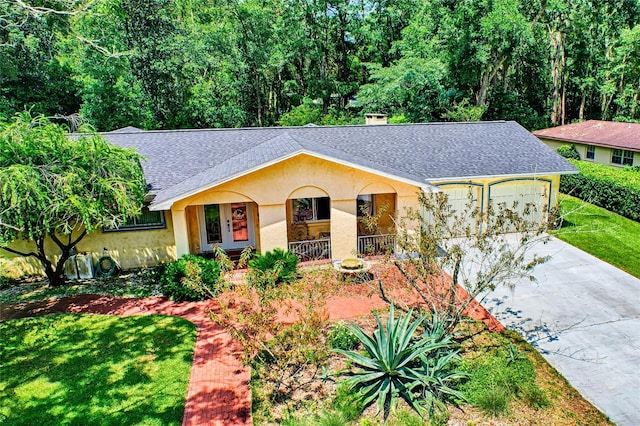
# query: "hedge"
[[615, 189]]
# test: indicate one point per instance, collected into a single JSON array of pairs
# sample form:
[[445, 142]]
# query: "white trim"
[[166, 205], [227, 242], [529, 175]]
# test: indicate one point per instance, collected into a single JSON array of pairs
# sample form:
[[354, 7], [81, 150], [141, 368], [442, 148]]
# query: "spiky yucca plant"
[[397, 365]]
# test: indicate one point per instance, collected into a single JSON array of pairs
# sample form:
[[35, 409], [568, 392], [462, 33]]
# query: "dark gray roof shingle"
[[179, 162]]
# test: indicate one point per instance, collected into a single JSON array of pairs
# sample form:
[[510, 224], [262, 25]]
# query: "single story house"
[[603, 142], [305, 188]]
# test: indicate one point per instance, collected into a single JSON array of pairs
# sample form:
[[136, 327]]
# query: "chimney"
[[376, 118]]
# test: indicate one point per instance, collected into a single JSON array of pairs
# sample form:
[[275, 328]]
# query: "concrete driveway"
[[583, 315]]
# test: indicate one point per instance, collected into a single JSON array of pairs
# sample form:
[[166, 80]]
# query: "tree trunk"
[[488, 75], [54, 276], [557, 73], [582, 104]]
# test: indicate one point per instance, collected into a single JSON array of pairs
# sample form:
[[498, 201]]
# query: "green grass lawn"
[[606, 235], [95, 370]]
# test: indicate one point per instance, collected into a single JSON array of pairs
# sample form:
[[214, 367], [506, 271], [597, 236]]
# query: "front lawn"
[[95, 369], [606, 235]]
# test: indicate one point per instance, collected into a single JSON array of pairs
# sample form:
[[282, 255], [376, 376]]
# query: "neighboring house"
[[603, 142], [304, 188]]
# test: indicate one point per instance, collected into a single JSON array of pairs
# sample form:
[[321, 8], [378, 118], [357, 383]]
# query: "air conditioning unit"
[[79, 266]]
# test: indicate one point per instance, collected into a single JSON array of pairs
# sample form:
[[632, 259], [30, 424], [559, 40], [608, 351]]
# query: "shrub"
[[341, 337], [191, 278], [496, 379], [494, 401], [535, 397], [278, 266], [615, 189], [568, 151], [347, 403], [397, 364]]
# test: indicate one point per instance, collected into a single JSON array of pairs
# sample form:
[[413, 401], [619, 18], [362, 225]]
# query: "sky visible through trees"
[[169, 64]]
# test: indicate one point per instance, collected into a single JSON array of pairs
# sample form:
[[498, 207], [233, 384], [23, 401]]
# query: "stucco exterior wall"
[[602, 154], [304, 176], [132, 249]]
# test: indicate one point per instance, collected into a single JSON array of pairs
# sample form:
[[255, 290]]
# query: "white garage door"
[[463, 203], [529, 198]]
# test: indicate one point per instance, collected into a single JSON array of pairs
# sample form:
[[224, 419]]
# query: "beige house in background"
[[603, 142], [305, 188]]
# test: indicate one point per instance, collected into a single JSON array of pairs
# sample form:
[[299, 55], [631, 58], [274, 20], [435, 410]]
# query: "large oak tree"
[[58, 186]]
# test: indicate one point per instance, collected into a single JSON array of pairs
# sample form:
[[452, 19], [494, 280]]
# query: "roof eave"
[[168, 203], [586, 142], [505, 176]]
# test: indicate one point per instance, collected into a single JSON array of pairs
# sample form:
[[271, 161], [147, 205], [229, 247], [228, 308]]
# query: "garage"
[[464, 198], [528, 197]]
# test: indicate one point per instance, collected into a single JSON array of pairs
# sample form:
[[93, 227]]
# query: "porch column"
[[180, 232], [344, 228], [273, 227], [405, 202]]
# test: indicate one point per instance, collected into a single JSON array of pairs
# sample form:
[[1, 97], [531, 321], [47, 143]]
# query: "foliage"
[[255, 62], [303, 114], [568, 151], [57, 187], [33, 74], [464, 111], [606, 235], [478, 250], [191, 278], [95, 369], [340, 336], [412, 87], [290, 352], [396, 364], [347, 403], [312, 113], [617, 190], [498, 377], [274, 267], [284, 355]]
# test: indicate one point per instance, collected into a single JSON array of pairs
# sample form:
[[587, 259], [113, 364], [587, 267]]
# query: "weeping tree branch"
[[74, 8]]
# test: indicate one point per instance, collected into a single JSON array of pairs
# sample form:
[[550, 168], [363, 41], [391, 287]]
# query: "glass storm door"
[[229, 226]]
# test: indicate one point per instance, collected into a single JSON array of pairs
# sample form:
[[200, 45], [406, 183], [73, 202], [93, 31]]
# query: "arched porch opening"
[[376, 212], [308, 211]]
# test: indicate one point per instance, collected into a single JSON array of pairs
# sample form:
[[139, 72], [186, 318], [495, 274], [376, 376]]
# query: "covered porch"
[[310, 206]]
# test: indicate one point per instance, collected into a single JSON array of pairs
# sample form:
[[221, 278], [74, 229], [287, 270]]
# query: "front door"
[[229, 226]]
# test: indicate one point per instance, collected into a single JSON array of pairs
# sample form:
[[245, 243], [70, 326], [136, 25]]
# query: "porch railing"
[[311, 249], [376, 244]]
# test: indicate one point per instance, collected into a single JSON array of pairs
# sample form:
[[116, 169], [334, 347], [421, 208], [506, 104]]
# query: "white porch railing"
[[376, 244], [311, 249]]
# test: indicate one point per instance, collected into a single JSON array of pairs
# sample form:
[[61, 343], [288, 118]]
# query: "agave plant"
[[393, 365]]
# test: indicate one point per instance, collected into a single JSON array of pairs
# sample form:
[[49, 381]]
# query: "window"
[[364, 205], [622, 157], [147, 220], [591, 152], [310, 209]]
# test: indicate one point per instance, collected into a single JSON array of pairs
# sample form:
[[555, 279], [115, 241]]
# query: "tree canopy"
[[56, 186], [227, 63]]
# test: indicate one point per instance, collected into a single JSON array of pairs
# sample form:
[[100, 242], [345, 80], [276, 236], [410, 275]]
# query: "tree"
[[478, 251], [412, 86], [57, 187]]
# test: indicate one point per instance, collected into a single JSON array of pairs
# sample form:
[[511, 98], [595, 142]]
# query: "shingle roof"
[[596, 132], [182, 162]]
